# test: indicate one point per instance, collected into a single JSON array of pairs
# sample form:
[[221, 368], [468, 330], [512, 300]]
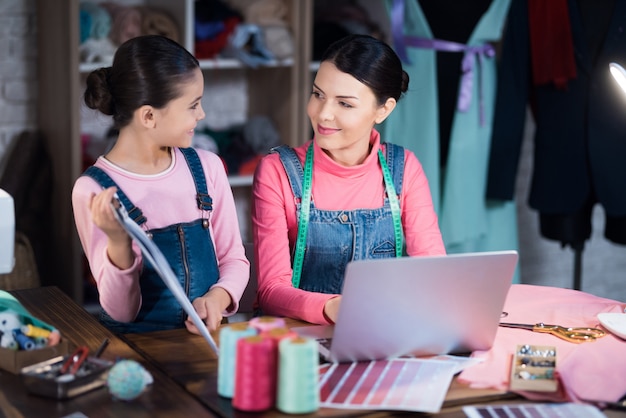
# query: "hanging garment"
[[468, 221], [579, 145]]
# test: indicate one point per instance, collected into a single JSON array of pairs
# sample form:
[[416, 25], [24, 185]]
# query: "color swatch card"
[[541, 410], [406, 384]]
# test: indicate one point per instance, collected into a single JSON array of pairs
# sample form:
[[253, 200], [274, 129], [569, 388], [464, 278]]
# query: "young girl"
[[344, 195], [180, 196]]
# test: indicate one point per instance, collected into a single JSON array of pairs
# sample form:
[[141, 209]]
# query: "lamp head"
[[619, 74]]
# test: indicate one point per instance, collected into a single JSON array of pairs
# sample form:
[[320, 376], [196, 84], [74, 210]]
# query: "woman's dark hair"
[[146, 70], [372, 62]]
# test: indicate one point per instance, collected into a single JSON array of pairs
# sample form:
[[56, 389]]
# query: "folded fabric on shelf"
[[125, 22], [158, 22]]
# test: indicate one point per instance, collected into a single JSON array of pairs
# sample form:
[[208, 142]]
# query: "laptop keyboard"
[[325, 342]]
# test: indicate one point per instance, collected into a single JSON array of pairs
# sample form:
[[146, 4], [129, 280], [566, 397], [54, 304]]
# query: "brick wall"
[[18, 69]]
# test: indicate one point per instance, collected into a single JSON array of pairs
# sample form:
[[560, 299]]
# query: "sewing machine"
[[7, 232]]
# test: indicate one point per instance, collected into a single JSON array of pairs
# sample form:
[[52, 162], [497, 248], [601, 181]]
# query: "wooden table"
[[164, 398], [198, 374], [184, 370]]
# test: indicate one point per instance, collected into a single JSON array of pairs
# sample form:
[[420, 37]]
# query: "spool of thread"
[[41, 342], [255, 375], [54, 338], [35, 332], [23, 341], [298, 391], [11, 345], [228, 355], [266, 323], [277, 334]]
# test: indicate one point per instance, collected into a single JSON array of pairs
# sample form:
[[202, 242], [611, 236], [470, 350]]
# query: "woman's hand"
[[209, 308], [331, 308]]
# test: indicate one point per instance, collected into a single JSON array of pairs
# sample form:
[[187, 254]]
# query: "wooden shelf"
[[278, 90]]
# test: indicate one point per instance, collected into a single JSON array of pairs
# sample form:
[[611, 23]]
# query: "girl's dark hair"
[[372, 62], [146, 70]]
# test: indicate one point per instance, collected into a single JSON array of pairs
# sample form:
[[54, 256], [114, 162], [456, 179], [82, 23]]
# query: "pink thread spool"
[[276, 335], [255, 374], [266, 323]]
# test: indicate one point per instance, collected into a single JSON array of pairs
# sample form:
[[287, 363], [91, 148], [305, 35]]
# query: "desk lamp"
[[619, 74], [7, 232]]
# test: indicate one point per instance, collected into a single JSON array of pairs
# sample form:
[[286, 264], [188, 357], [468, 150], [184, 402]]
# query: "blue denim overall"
[[188, 248], [335, 238]]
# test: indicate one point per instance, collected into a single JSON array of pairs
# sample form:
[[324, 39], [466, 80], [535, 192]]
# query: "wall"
[[18, 69]]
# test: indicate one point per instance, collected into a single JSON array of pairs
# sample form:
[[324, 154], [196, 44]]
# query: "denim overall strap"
[[188, 248], [304, 181], [105, 181], [335, 238], [203, 199], [292, 166], [394, 155]]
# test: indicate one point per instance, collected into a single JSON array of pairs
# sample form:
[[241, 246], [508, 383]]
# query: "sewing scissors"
[[573, 335], [75, 361]]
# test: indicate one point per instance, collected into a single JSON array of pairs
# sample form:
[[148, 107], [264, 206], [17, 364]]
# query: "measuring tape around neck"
[[393, 203], [305, 209], [303, 220]]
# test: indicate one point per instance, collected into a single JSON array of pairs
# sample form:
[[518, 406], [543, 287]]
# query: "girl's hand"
[[209, 308], [103, 215], [119, 246]]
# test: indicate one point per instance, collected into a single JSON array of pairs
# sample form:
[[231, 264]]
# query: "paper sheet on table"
[[405, 384], [152, 253]]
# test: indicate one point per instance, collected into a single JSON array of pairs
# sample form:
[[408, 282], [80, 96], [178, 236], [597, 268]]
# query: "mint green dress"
[[468, 222]]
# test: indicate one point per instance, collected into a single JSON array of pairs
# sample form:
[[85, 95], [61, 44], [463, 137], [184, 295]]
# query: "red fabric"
[[249, 166], [551, 46], [209, 48]]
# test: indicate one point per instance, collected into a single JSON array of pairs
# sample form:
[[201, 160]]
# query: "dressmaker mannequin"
[[579, 147]]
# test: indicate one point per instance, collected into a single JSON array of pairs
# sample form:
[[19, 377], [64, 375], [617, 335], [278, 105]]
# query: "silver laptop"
[[417, 306]]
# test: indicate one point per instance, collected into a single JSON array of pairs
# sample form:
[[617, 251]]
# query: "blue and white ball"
[[127, 379]]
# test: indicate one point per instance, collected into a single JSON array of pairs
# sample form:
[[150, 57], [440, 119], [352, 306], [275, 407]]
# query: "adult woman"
[[181, 196], [360, 198]]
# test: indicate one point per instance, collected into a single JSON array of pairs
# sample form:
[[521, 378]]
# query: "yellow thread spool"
[[35, 332]]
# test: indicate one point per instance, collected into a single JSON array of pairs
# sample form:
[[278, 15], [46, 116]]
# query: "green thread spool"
[[298, 376], [228, 355]]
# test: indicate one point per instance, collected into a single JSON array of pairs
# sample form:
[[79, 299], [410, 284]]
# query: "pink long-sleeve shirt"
[[165, 199], [335, 187]]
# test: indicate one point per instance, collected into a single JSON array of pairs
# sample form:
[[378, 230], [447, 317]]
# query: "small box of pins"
[[533, 369]]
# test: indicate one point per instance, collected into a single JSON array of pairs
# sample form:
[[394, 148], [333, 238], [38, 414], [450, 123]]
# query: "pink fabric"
[[334, 187], [586, 371], [165, 198]]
